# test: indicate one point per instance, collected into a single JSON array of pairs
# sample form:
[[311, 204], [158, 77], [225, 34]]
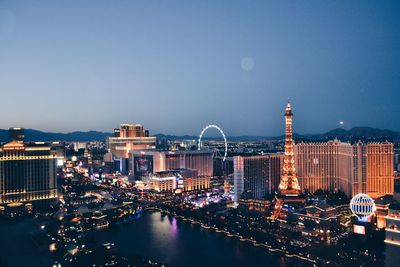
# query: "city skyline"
[[199, 133], [117, 63]]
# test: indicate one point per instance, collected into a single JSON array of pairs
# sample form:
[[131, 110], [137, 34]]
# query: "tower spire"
[[289, 183]]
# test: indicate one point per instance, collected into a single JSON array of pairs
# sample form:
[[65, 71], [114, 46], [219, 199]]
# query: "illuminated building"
[[360, 168], [381, 210], [227, 187], [200, 160], [318, 219], [327, 166], [392, 229], [193, 182], [27, 172], [256, 205], [256, 175], [392, 239], [87, 156], [132, 130], [380, 169], [80, 145], [373, 171], [164, 181], [145, 163], [179, 179], [353, 169], [289, 184], [130, 137]]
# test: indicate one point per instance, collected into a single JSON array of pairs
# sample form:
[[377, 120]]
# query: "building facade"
[[327, 166], [353, 169], [392, 230], [257, 175], [184, 180], [130, 137], [27, 172], [392, 240], [145, 163], [380, 169], [164, 181]]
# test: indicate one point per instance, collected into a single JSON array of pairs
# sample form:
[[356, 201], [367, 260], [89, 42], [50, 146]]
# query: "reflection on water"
[[177, 243], [17, 248], [154, 236]]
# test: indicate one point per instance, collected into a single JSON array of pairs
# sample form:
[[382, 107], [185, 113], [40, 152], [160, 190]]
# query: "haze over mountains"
[[364, 133]]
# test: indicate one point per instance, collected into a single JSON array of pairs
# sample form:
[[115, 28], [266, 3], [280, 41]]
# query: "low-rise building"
[[180, 179]]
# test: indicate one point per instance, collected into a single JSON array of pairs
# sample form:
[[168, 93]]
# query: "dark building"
[[258, 175], [17, 134], [117, 132], [162, 144], [223, 168]]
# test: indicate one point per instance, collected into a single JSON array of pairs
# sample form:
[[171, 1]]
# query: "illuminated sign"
[[179, 181], [359, 229], [13, 148], [143, 166]]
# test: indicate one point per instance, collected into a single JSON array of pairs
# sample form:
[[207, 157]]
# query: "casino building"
[[130, 137], [144, 163], [257, 176], [327, 166], [350, 168], [27, 171], [184, 180]]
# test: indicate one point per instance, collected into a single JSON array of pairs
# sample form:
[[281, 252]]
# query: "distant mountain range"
[[35, 135], [354, 134]]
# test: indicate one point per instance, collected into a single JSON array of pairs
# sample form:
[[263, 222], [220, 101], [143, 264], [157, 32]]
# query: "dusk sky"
[[176, 66]]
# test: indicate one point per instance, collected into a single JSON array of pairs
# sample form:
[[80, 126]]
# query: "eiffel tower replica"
[[289, 188]]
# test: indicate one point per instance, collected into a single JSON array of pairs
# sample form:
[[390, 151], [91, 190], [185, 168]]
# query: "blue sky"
[[176, 66]]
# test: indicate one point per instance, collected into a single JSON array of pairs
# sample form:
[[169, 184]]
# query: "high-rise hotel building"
[[258, 176], [27, 171], [380, 169], [130, 137], [353, 169], [327, 166]]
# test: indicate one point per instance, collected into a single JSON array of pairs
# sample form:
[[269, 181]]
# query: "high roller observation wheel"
[[222, 133]]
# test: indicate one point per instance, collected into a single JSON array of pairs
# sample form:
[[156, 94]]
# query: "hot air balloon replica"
[[363, 207]]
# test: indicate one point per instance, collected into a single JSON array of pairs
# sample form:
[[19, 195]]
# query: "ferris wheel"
[[220, 150]]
